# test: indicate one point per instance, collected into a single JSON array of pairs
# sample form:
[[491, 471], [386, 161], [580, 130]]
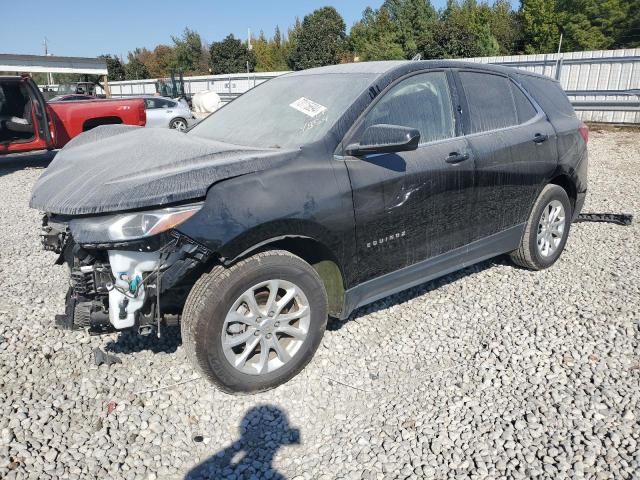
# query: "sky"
[[89, 29]]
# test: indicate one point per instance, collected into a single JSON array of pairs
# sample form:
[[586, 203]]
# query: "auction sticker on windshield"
[[308, 107]]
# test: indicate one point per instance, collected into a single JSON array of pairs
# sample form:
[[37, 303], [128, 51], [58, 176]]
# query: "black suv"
[[313, 194]]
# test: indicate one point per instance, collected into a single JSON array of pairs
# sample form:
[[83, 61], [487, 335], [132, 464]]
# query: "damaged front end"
[[131, 270]]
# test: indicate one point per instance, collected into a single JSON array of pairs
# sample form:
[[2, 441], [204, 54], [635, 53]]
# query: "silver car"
[[165, 112]]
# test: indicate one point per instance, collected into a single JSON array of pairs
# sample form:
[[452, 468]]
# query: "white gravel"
[[492, 372]]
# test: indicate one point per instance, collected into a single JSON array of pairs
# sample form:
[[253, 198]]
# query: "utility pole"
[[560, 42], [249, 47], [46, 54], [558, 59]]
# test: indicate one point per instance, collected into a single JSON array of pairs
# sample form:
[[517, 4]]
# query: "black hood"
[[119, 167]]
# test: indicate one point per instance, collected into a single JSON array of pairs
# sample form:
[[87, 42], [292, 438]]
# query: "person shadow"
[[263, 430]]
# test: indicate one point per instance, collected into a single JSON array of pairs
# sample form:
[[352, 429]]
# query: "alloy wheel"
[[551, 228], [179, 125], [266, 327]]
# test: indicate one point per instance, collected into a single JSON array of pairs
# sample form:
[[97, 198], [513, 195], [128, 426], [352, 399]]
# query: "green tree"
[[449, 39], [486, 43], [376, 36], [320, 40], [231, 56], [269, 54], [280, 52], [464, 30], [505, 26], [114, 67], [187, 52], [135, 69], [592, 24], [277, 37], [629, 35], [414, 21], [290, 43], [540, 25], [161, 62]]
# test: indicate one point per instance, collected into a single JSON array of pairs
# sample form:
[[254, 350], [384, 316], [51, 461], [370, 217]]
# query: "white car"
[[165, 112]]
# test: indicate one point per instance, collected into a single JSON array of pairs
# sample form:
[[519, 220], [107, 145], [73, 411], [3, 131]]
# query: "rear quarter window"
[[550, 96]]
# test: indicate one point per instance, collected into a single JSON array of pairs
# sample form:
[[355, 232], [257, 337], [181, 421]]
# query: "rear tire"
[[546, 231], [220, 322], [179, 124]]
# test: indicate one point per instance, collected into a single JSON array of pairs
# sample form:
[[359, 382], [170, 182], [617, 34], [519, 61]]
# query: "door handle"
[[455, 157], [540, 138], [169, 111]]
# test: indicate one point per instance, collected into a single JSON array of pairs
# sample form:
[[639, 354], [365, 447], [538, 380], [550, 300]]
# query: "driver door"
[[413, 205], [35, 126]]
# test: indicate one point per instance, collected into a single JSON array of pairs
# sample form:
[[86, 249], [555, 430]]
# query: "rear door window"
[[489, 100], [422, 102]]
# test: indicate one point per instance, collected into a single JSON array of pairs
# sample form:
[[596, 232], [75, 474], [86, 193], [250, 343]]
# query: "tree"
[[376, 36], [277, 37], [162, 61], [413, 20], [320, 41], [115, 68], [269, 54], [505, 26], [629, 35], [540, 28], [230, 56], [135, 69], [187, 52], [463, 30], [291, 42], [592, 24]]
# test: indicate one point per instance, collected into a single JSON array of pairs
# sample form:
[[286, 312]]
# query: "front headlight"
[[130, 226]]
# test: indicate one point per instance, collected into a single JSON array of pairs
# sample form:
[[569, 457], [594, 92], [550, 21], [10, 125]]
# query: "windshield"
[[285, 112], [66, 88]]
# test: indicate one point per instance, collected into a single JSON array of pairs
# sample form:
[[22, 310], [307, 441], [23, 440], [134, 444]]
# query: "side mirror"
[[385, 138]]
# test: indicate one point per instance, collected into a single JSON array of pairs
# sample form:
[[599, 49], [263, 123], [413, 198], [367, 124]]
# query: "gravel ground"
[[492, 372]]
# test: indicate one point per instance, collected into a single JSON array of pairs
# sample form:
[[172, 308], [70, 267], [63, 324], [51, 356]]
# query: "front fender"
[[300, 199]]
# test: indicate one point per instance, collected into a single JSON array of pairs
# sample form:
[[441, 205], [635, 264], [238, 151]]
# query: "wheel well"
[[321, 259], [568, 185], [94, 122]]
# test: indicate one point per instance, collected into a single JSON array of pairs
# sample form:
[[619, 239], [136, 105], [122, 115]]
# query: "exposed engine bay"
[[140, 284]]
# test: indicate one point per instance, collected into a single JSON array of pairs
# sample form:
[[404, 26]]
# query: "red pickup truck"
[[28, 122]]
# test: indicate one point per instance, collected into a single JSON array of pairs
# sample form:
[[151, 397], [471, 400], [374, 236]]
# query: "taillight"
[[584, 132], [142, 114]]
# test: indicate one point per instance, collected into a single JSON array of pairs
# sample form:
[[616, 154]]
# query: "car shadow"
[[414, 292], [263, 430], [131, 342], [19, 161]]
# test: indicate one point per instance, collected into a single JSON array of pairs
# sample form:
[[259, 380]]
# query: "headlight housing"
[[130, 226]]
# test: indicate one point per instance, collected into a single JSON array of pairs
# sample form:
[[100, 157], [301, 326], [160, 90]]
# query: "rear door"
[[159, 113], [410, 206], [38, 120], [514, 146]]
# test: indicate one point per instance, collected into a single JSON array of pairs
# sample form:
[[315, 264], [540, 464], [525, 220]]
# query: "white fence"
[[600, 84], [228, 86], [603, 85]]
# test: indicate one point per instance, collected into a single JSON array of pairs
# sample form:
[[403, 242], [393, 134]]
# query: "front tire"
[[257, 324], [546, 231]]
